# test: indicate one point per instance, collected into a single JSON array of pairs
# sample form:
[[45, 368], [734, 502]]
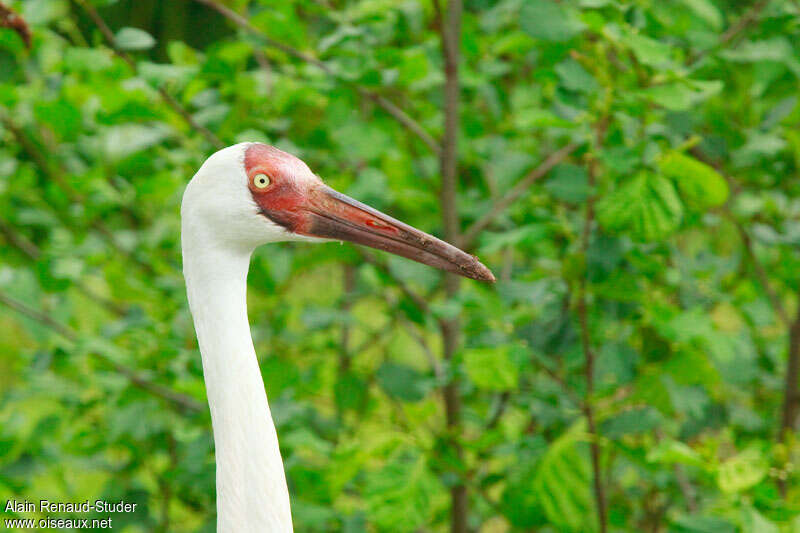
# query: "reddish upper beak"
[[333, 215]]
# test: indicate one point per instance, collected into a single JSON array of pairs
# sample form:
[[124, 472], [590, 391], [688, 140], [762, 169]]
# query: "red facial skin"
[[282, 199], [288, 201], [302, 204]]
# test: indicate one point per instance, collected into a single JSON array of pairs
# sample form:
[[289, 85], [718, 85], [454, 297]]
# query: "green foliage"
[[646, 206], [682, 118], [699, 183], [563, 482]]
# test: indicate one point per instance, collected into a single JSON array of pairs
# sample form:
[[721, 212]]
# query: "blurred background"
[[628, 169]]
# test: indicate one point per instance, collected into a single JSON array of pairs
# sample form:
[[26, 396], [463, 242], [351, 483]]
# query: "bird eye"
[[261, 181]]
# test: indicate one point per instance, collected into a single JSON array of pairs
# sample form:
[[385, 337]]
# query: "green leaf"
[[88, 59], [742, 471], [630, 422], [701, 524], [681, 95], [134, 39], [563, 480], [777, 49], [648, 51], [707, 11], [647, 207], [400, 494], [755, 522], [491, 368], [350, 392], [670, 451], [699, 183], [126, 139], [403, 382], [574, 77], [549, 21], [63, 117], [569, 183]]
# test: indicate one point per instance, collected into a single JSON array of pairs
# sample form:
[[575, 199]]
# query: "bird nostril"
[[378, 225]]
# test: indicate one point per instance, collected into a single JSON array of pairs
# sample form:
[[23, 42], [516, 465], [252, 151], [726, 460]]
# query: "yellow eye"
[[261, 180]]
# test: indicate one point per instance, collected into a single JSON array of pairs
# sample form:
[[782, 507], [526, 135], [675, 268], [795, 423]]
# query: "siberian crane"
[[242, 197]]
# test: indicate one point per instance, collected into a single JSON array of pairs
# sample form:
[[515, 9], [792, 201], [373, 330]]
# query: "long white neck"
[[252, 495]]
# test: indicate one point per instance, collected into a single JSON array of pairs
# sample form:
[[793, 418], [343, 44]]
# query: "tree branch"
[[32, 252], [165, 96], [761, 274], [747, 242], [450, 31], [57, 176], [733, 31], [179, 400], [790, 395], [11, 20], [418, 300], [588, 351], [513, 194], [393, 110]]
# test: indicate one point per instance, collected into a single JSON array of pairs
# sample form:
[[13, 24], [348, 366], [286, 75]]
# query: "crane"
[[242, 197]]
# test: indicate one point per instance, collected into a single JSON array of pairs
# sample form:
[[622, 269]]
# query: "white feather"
[[220, 228]]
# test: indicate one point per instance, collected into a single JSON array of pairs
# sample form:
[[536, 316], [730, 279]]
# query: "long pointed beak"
[[333, 215]]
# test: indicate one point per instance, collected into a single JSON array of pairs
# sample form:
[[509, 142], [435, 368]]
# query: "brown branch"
[[18, 241], [179, 400], [733, 31], [348, 294], [11, 20], [56, 175], [393, 110], [32, 252], [450, 31], [761, 274], [165, 96], [515, 193], [417, 300], [689, 494], [426, 348], [588, 351], [791, 396], [747, 241], [497, 413]]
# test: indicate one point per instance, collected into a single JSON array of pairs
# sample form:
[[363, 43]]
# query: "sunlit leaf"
[[549, 21], [646, 206], [698, 182], [742, 471], [134, 39]]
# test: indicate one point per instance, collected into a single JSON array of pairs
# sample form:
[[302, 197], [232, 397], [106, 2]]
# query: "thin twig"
[[450, 33], [32, 252], [182, 401], [689, 494], [499, 408], [348, 294], [513, 194], [393, 110], [747, 242], [791, 396], [761, 274], [418, 300], [733, 31], [13, 21], [56, 175], [588, 351], [168, 98], [426, 348]]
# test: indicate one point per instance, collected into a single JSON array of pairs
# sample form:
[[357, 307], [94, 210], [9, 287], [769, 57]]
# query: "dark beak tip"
[[481, 273]]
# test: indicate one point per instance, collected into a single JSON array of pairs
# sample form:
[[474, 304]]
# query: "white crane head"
[[251, 194]]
